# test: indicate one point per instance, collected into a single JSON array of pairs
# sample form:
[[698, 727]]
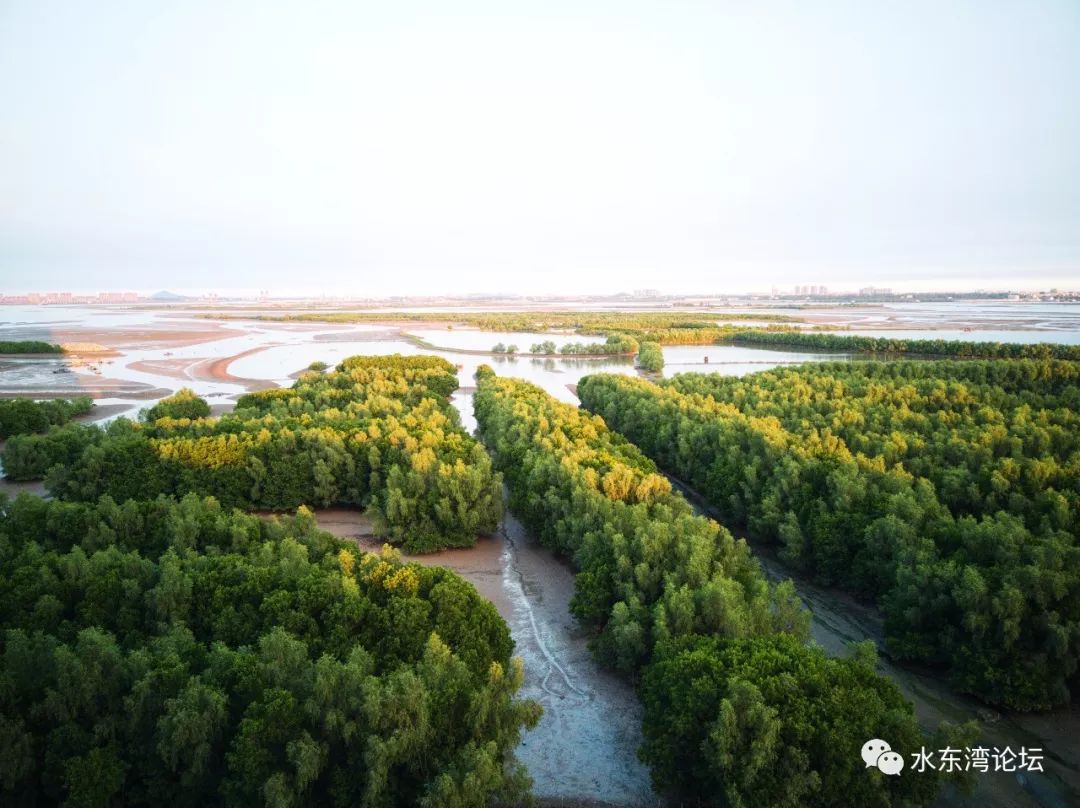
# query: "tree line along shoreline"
[[20, 416], [671, 598], [30, 347], [377, 433], [696, 328]]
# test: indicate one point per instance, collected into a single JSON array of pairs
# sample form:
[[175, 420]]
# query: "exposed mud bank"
[[584, 750]]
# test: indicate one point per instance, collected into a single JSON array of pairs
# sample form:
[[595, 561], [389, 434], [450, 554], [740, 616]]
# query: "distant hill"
[[169, 296]]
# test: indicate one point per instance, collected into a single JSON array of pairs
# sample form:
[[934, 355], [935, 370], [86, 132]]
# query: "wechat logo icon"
[[877, 752]]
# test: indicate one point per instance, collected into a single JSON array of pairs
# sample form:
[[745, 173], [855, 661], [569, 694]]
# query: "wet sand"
[[387, 335], [100, 412], [99, 346], [12, 489], [204, 369], [172, 334], [66, 376], [100, 388], [584, 750], [218, 370], [345, 523]]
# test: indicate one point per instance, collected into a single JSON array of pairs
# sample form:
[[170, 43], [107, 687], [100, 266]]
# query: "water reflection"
[[472, 339]]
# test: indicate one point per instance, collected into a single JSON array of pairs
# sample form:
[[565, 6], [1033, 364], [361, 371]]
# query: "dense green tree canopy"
[[950, 491], [181, 404], [648, 567], [29, 347], [888, 345], [614, 344], [162, 652], [768, 721], [379, 432], [21, 416], [650, 357]]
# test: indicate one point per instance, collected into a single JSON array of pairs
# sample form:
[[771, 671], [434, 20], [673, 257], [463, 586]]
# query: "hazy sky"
[[578, 146]]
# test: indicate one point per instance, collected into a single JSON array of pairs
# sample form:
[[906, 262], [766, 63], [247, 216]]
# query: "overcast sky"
[[578, 146]]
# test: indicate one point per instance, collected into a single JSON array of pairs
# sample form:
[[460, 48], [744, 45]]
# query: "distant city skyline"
[[129, 295], [579, 147]]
